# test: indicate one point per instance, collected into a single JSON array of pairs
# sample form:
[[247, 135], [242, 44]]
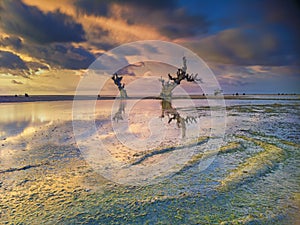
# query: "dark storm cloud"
[[284, 18], [103, 46], [250, 32], [14, 65], [13, 41], [62, 55], [181, 24], [173, 22], [95, 36], [245, 47], [45, 36], [56, 55], [170, 19], [165, 4], [97, 8], [101, 7], [9, 60], [34, 25]]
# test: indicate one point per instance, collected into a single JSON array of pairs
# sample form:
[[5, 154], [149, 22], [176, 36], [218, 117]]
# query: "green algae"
[[196, 158], [125, 205], [270, 138], [271, 109], [230, 147], [255, 166]]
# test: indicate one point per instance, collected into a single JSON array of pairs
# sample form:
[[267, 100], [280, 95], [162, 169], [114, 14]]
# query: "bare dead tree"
[[167, 89], [166, 95], [121, 86], [181, 74]]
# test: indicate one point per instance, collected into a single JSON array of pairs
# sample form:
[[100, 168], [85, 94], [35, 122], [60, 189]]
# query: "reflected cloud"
[[16, 118]]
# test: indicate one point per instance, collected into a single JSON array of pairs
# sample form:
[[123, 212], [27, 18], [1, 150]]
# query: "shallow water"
[[46, 177]]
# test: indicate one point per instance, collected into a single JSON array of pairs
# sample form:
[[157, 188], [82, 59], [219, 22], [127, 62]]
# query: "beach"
[[47, 175], [38, 98]]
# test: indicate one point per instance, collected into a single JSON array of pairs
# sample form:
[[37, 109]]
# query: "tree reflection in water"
[[121, 111], [167, 110]]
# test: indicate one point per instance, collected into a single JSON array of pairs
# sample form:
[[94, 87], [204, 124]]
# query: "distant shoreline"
[[39, 98]]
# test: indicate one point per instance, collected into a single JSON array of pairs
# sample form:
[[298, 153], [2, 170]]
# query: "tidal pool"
[[252, 177]]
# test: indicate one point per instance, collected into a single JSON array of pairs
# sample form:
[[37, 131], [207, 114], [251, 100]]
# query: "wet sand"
[[44, 178]]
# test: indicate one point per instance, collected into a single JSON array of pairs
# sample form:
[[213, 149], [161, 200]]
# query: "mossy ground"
[[256, 165]]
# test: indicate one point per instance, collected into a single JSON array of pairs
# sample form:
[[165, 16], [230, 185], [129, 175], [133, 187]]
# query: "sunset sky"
[[252, 46]]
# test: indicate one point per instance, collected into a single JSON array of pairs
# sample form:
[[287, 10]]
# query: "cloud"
[[44, 36], [167, 16], [62, 55], [179, 23], [16, 82], [266, 31], [12, 128], [242, 47], [32, 24], [35, 66], [102, 7], [131, 70], [11, 41], [97, 8], [229, 75], [283, 14], [257, 79], [173, 22], [9, 60], [46, 82], [11, 63]]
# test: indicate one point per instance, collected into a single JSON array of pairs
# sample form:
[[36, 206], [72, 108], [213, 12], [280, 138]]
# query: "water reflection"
[[16, 117], [36, 111], [121, 111], [167, 110], [172, 113]]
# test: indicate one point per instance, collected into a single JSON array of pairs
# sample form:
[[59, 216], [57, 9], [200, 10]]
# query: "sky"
[[252, 46]]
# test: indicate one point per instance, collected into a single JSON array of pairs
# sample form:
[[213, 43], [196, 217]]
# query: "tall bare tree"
[[121, 86], [181, 74], [166, 96]]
